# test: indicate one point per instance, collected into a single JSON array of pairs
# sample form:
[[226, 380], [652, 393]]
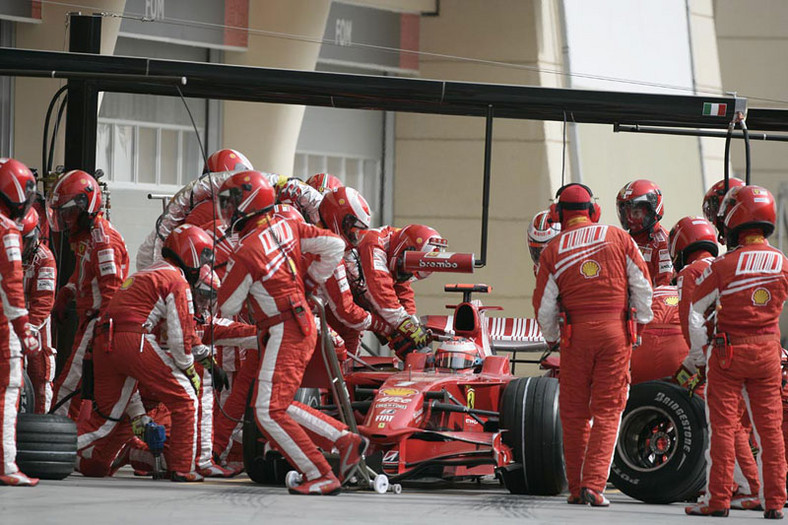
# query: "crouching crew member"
[[746, 288], [263, 273], [157, 299], [590, 277]]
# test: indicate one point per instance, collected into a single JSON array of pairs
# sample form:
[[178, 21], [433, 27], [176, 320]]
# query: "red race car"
[[456, 412]]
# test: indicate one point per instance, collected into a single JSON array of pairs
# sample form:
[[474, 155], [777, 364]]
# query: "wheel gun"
[[155, 437]]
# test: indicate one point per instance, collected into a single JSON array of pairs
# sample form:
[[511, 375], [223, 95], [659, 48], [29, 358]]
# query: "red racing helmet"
[[745, 207], [17, 188], [244, 195], [691, 234], [30, 233], [227, 160], [324, 182], [456, 355], [75, 201], [416, 237], [190, 248], [344, 211], [639, 205], [711, 204], [540, 232]]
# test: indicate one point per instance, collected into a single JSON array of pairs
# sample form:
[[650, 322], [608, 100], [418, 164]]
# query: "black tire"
[[269, 470], [672, 466], [46, 445], [27, 395], [529, 413]]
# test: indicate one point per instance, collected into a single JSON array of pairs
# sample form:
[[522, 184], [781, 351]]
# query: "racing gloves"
[[194, 378], [27, 334], [408, 336]]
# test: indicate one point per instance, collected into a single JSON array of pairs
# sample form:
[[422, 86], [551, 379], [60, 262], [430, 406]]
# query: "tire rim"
[[648, 439]]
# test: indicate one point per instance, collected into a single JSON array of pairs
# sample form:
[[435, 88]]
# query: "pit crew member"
[[692, 248], [102, 264], [589, 278], [39, 284], [264, 274], [17, 336], [157, 299], [747, 288]]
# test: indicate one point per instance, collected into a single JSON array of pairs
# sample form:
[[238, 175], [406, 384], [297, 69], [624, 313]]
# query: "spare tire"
[[46, 445], [660, 453], [529, 414], [27, 395], [271, 468]]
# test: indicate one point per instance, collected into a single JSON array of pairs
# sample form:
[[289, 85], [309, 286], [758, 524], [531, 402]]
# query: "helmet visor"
[[351, 227], [65, 218], [635, 217], [227, 206], [454, 361], [30, 244]]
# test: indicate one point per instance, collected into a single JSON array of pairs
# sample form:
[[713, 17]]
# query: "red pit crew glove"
[[409, 336], [64, 296], [27, 334]]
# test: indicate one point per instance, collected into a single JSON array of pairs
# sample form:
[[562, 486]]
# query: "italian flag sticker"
[[715, 110]]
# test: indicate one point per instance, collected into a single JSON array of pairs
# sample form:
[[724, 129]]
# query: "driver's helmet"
[[457, 355]]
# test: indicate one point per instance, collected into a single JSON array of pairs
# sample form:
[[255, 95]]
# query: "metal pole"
[[482, 260], [80, 153]]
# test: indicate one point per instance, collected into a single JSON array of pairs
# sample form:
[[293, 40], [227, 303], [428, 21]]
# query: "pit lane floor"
[[125, 499]]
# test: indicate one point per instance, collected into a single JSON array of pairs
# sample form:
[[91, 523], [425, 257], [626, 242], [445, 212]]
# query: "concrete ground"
[[125, 499]]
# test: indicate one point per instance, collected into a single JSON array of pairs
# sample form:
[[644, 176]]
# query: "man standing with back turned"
[[591, 289]]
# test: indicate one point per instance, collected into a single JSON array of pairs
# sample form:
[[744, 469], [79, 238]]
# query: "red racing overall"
[[747, 288], [588, 272], [264, 273]]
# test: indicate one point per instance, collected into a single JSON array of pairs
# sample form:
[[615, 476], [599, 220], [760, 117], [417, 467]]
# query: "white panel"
[[641, 41]]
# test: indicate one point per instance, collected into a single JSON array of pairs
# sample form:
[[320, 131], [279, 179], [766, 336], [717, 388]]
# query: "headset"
[[557, 207]]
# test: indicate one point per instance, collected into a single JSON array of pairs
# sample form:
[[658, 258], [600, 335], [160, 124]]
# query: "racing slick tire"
[[46, 445], [660, 452], [270, 468], [529, 414], [27, 396]]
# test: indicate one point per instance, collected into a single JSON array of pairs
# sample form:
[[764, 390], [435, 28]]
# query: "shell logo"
[[398, 392], [127, 283], [756, 191], [233, 155], [761, 297], [419, 240], [247, 178], [672, 300], [342, 202], [590, 269], [84, 182]]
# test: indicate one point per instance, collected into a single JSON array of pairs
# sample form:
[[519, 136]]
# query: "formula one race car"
[[457, 412]]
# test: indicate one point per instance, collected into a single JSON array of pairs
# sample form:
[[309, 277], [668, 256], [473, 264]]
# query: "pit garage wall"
[[753, 47], [32, 95], [439, 160], [622, 39]]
